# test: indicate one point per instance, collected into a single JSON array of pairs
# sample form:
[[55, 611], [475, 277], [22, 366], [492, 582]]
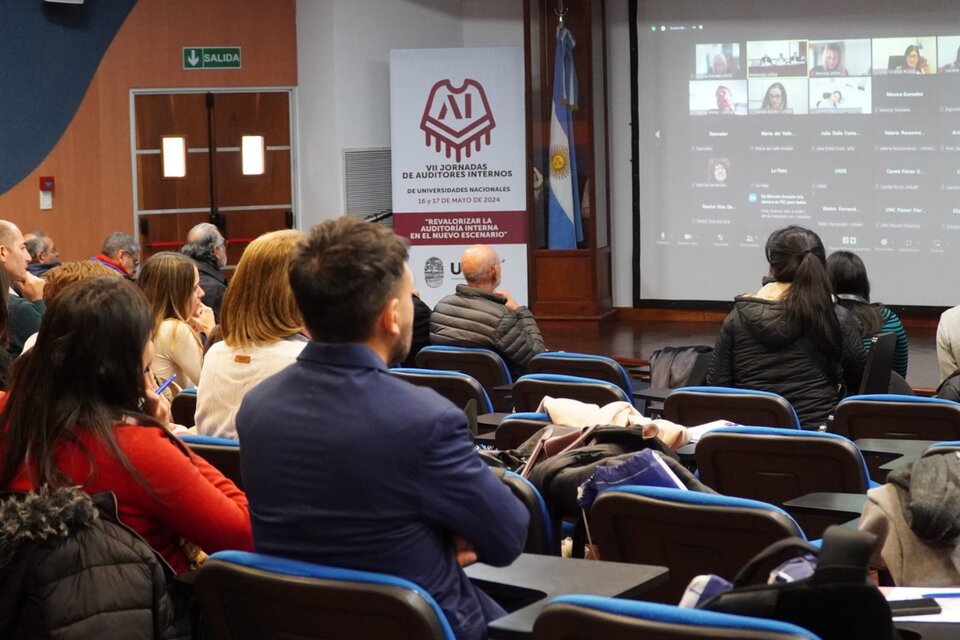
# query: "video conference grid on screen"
[[855, 137]]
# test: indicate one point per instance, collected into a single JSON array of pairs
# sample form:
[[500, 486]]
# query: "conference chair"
[[689, 532], [691, 406], [483, 364], [222, 453], [184, 407], [879, 364], [517, 428], [776, 465], [250, 596], [586, 617], [458, 388], [950, 446], [529, 390], [583, 365], [898, 417], [542, 535]]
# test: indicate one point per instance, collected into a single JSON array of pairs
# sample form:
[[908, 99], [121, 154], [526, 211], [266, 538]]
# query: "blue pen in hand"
[[166, 383]]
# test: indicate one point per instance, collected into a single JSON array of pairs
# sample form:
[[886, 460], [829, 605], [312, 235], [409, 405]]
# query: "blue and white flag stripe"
[[564, 226]]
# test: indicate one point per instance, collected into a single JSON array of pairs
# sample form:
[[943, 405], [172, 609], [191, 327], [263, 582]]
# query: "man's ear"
[[390, 317]]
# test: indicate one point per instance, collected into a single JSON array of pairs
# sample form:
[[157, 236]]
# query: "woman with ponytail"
[[791, 337]]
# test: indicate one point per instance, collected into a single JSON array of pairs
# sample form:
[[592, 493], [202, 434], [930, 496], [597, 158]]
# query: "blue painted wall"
[[48, 55]]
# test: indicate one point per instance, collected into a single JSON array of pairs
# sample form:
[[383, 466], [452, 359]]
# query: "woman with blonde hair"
[[262, 332], [180, 320]]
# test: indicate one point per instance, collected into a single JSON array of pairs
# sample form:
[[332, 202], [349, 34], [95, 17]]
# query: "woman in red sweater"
[[81, 410]]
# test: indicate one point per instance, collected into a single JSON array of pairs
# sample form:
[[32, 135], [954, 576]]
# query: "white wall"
[[344, 102], [343, 66]]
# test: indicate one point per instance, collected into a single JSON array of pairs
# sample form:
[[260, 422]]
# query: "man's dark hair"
[[202, 241], [342, 273], [119, 241]]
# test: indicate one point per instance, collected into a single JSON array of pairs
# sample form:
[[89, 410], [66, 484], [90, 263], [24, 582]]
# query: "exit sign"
[[211, 57]]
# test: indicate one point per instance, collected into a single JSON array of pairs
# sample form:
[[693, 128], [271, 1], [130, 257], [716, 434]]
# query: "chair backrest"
[[530, 389], [876, 370], [584, 365], [698, 405], [458, 388], [183, 408], [776, 465], [687, 531], [252, 596], [222, 453], [949, 446], [517, 428], [485, 365], [896, 417], [673, 367], [542, 535], [583, 617]]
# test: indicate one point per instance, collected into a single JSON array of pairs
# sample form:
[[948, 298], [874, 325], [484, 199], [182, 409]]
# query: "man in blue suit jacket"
[[347, 465]]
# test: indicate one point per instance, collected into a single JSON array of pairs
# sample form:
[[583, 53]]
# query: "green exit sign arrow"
[[211, 57]]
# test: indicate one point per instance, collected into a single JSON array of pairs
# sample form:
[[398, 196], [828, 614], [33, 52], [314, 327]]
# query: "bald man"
[[25, 305], [481, 315]]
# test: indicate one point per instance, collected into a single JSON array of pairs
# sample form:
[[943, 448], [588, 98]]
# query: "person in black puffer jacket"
[[70, 571], [791, 337]]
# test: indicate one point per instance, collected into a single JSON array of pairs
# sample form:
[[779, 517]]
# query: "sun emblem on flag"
[[559, 161]]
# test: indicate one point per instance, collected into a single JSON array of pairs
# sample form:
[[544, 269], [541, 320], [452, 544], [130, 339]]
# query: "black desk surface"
[[913, 448], [824, 502], [532, 580]]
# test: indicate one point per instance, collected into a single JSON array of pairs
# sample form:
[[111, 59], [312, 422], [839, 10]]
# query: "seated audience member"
[[81, 412], [789, 337], [776, 98], [480, 315], [831, 61], [848, 275], [724, 99], [261, 333], [44, 254], [172, 285], [68, 273], [720, 65], [25, 304], [916, 518], [347, 465], [913, 62], [421, 330], [207, 247], [6, 359], [948, 342], [121, 253]]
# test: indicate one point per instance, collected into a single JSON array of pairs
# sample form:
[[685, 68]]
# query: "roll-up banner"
[[458, 162]]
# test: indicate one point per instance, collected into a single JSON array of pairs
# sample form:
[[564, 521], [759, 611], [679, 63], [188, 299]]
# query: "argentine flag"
[[564, 227]]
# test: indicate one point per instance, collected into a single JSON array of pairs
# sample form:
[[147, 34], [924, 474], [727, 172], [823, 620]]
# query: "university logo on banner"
[[458, 161], [457, 119]]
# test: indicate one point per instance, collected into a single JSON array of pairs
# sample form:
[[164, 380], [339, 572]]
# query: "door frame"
[[294, 155]]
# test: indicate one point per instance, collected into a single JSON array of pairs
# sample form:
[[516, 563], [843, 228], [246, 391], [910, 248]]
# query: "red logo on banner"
[[457, 119]]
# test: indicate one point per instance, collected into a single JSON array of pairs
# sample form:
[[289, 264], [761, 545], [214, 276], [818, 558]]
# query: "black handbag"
[[838, 602]]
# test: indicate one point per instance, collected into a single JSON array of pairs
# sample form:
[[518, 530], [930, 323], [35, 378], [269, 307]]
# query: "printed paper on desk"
[[697, 432], [949, 602]]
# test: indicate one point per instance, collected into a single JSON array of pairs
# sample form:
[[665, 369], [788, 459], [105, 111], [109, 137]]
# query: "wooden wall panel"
[[270, 110], [92, 161]]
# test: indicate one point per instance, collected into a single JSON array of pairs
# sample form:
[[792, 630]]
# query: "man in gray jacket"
[[480, 315]]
